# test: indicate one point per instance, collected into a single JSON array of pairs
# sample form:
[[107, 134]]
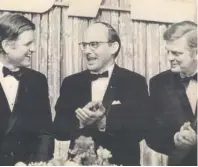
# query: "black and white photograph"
[[98, 83]]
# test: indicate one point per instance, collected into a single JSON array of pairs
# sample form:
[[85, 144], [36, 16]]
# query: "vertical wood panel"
[[126, 36], [106, 15], [84, 24], [54, 55], [35, 57], [43, 44], [152, 50], [67, 44], [77, 57], [163, 58]]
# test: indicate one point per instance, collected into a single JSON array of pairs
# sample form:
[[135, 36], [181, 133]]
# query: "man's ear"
[[7, 45], [114, 47]]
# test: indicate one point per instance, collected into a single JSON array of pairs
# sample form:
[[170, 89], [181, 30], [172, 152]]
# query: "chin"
[[176, 70], [26, 64], [92, 68]]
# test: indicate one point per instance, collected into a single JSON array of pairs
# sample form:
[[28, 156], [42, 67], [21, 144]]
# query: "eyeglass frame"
[[91, 47]]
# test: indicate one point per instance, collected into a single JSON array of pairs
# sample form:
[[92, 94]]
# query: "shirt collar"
[[110, 70], [1, 69], [183, 76]]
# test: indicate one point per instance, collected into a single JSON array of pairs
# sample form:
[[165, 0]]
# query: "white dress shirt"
[[10, 87], [99, 86], [98, 90], [191, 92]]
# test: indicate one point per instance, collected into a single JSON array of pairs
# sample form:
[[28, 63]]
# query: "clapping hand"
[[186, 137], [90, 113]]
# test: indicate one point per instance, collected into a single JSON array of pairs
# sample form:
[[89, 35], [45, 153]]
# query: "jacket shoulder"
[[131, 75], [33, 73], [74, 78], [162, 79], [163, 76]]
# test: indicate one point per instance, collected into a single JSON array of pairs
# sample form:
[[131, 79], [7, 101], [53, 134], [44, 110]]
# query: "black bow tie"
[[186, 80], [16, 74], [96, 76]]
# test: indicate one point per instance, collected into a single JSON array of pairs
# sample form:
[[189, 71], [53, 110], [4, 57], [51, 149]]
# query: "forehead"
[[26, 36], [96, 32], [177, 45]]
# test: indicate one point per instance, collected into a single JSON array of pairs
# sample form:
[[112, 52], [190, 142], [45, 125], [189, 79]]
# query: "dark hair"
[[178, 30], [112, 35], [12, 25]]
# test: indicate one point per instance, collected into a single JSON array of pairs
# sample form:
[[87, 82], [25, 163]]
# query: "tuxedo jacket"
[[126, 122], [170, 110], [25, 133]]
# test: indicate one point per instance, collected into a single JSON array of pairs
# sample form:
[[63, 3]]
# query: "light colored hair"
[[184, 28]]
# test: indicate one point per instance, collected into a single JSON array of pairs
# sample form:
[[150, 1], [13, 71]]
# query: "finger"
[[82, 114], [90, 105], [182, 140], [89, 112], [79, 118], [191, 130], [185, 126], [78, 115], [101, 107], [176, 138], [189, 135], [93, 116]]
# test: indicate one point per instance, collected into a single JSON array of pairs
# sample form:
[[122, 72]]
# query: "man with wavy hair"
[[25, 117], [173, 95]]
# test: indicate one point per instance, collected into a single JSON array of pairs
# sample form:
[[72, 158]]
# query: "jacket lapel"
[[181, 94], [3, 101], [5, 112], [110, 92], [85, 87], [22, 90]]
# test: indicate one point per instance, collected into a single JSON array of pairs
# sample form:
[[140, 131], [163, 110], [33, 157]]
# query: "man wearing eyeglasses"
[[105, 101]]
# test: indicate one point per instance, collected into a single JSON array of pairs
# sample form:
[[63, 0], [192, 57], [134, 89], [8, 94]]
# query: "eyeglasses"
[[92, 45]]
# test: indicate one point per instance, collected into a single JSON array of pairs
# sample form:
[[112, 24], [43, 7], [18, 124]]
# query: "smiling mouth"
[[173, 65], [91, 59], [28, 56]]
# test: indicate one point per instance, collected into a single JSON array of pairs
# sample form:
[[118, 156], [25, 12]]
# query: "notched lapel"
[[20, 98], [3, 101], [181, 94], [85, 87], [110, 92]]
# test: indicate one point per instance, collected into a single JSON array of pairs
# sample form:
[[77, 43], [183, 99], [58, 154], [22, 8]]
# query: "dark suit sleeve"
[[129, 119], [65, 122], [161, 131], [44, 124]]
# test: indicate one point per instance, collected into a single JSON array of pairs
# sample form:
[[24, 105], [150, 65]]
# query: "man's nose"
[[171, 56], [32, 47], [87, 50]]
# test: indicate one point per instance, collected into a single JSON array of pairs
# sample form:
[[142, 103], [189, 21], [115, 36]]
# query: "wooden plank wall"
[[58, 54]]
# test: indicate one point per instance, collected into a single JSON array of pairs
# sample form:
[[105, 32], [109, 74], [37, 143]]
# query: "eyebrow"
[[176, 51], [28, 42]]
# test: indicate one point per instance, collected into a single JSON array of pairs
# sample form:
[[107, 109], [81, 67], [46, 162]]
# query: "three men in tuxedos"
[[25, 117], [174, 97], [105, 101]]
